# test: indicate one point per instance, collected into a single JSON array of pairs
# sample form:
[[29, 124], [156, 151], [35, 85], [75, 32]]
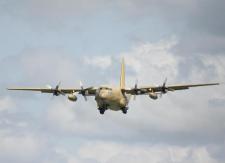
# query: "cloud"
[[19, 148], [198, 24], [6, 103], [192, 21], [108, 152], [148, 59], [51, 9], [100, 62]]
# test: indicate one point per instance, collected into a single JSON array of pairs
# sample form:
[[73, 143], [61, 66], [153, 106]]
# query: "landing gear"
[[101, 110], [124, 110]]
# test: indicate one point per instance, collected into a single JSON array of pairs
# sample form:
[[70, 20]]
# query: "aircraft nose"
[[102, 95]]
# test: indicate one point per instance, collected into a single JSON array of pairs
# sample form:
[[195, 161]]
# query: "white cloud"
[[6, 103], [217, 63], [152, 62], [19, 148], [61, 116], [72, 118], [107, 152]]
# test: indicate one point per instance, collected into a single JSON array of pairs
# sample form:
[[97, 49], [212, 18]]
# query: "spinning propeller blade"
[[135, 89], [83, 91], [164, 88]]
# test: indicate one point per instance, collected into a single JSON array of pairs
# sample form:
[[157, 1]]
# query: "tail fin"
[[122, 75]]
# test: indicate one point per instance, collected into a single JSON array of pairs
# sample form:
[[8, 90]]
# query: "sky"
[[46, 41]]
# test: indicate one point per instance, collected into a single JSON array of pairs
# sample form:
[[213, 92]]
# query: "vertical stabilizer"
[[122, 75]]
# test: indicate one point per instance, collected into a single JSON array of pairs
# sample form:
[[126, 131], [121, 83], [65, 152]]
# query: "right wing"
[[163, 89]]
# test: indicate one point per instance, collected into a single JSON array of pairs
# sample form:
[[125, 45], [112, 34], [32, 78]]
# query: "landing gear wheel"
[[101, 110], [124, 110]]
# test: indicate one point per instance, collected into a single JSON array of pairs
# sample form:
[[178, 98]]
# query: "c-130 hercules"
[[113, 98]]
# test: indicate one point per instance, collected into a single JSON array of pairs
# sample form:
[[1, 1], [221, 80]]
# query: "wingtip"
[[216, 83], [9, 89]]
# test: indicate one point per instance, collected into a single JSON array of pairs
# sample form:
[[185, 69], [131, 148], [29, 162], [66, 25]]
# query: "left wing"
[[163, 89]]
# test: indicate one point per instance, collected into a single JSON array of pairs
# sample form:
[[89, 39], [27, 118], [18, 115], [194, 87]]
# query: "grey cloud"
[[50, 9], [194, 44], [218, 102], [198, 24], [208, 16], [202, 15]]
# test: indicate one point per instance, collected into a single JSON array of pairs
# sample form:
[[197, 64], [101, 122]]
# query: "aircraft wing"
[[163, 89], [88, 91]]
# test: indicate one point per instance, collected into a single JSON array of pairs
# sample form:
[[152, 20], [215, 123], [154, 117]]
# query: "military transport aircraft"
[[113, 98]]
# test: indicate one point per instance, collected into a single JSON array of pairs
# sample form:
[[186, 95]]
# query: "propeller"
[[83, 91], [164, 88], [135, 89], [56, 91]]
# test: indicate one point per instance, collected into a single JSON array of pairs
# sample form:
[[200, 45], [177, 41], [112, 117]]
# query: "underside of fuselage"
[[110, 105]]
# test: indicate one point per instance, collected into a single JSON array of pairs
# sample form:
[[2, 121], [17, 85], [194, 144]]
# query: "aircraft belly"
[[111, 104], [114, 101], [114, 106]]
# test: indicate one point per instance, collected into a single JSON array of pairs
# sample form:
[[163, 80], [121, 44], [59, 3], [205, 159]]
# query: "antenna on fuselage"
[[122, 75]]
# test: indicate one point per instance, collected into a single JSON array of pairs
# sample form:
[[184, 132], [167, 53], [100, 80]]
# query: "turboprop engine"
[[153, 95], [72, 97]]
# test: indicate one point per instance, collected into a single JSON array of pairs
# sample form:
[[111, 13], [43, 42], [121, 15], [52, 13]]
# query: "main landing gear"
[[102, 110], [124, 110]]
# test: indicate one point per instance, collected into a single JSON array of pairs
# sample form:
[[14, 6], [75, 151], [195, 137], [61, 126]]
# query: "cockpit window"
[[105, 88]]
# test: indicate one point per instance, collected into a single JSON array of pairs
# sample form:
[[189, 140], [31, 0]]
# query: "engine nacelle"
[[153, 95], [72, 97]]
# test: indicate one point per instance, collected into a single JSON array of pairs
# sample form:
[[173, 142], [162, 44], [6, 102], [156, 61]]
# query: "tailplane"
[[122, 75]]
